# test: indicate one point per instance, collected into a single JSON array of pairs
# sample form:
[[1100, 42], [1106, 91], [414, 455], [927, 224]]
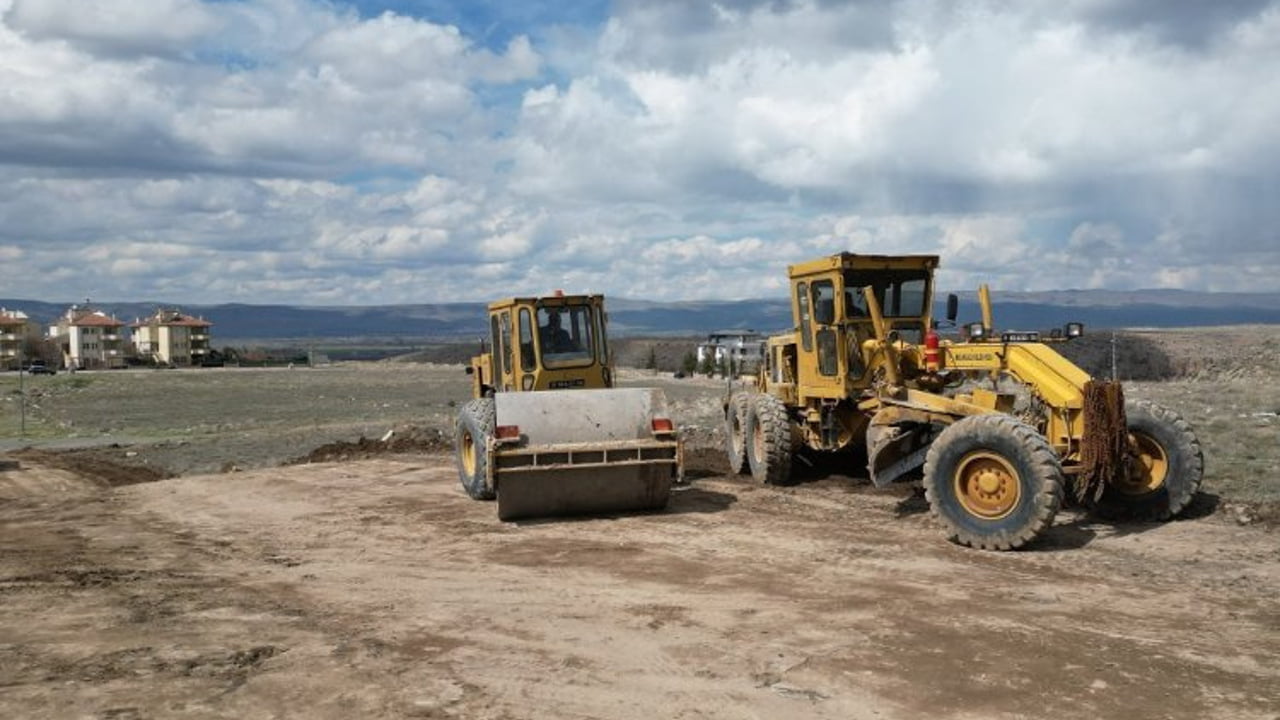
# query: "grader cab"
[[1002, 424], [546, 432]]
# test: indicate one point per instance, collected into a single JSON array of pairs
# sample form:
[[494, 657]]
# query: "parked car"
[[37, 367]]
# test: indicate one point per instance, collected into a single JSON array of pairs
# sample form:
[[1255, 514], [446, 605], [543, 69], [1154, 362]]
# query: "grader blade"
[[583, 452], [894, 451]]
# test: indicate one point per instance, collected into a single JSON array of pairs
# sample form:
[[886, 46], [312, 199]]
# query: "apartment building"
[[737, 350], [13, 331], [89, 339], [171, 338]]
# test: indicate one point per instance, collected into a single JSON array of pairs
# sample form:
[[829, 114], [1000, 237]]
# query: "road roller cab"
[[542, 451]]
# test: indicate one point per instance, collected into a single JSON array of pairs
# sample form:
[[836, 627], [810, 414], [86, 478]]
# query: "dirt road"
[[375, 589]]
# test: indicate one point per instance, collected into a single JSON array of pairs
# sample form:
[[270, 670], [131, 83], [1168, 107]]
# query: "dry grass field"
[[221, 543]]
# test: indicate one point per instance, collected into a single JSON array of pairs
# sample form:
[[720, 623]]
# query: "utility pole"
[[22, 394], [1114, 374]]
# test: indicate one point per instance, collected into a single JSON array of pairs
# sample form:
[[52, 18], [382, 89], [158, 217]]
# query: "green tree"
[[708, 366], [689, 364]]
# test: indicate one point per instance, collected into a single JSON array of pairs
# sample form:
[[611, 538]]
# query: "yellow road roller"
[[546, 433]]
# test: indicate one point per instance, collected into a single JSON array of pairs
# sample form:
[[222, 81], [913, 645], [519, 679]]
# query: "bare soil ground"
[[175, 564]]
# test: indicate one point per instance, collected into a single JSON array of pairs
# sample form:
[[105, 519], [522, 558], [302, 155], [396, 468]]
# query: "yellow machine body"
[[547, 433], [862, 368]]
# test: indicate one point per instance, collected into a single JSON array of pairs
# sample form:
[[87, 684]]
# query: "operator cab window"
[[824, 315], [566, 335], [901, 295], [527, 360]]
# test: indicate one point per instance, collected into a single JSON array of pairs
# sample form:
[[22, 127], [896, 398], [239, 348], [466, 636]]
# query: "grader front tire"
[[1166, 468], [993, 481], [735, 432], [768, 440], [471, 443]]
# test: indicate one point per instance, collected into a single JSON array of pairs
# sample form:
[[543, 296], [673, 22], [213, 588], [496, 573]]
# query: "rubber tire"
[[735, 433], [1029, 455], [475, 422], [770, 458], [1186, 466]]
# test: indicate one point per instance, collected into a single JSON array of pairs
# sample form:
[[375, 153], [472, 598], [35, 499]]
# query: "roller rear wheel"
[[472, 431]]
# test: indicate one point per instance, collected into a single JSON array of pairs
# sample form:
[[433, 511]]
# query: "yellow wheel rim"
[[469, 453], [1148, 468], [987, 485]]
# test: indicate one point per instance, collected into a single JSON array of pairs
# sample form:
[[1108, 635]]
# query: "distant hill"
[[1013, 310]]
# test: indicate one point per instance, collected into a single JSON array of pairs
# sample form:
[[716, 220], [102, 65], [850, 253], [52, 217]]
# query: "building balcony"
[[7, 337], [110, 336], [199, 351], [199, 336]]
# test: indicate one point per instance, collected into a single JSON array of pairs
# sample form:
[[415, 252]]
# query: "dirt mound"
[[112, 466], [1208, 354], [400, 441], [1136, 357]]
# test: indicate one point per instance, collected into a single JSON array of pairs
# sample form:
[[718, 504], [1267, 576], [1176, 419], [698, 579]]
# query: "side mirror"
[[470, 370], [1074, 329], [975, 331], [953, 307]]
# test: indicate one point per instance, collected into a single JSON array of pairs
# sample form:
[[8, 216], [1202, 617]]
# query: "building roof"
[[172, 318], [94, 318]]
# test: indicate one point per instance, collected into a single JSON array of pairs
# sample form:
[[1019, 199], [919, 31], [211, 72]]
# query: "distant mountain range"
[[1013, 310]]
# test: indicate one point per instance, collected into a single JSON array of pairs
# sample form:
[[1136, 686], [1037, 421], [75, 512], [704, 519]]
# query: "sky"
[[321, 152]]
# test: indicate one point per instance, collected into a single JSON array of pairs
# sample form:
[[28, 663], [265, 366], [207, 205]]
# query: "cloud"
[[134, 28], [312, 152], [263, 87]]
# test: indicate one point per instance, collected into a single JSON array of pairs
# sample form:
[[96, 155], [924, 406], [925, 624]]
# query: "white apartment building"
[[89, 339], [171, 338]]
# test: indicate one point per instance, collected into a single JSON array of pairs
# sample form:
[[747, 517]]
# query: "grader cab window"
[[802, 302], [901, 294], [566, 335], [824, 315]]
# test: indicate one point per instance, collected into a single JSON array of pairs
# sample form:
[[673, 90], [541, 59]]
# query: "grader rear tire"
[[735, 433], [1166, 471], [993, 481], [471, 442], [768, 440]]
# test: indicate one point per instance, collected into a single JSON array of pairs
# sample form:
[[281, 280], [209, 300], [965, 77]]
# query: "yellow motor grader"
[[1002, 424], [542, 450]]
